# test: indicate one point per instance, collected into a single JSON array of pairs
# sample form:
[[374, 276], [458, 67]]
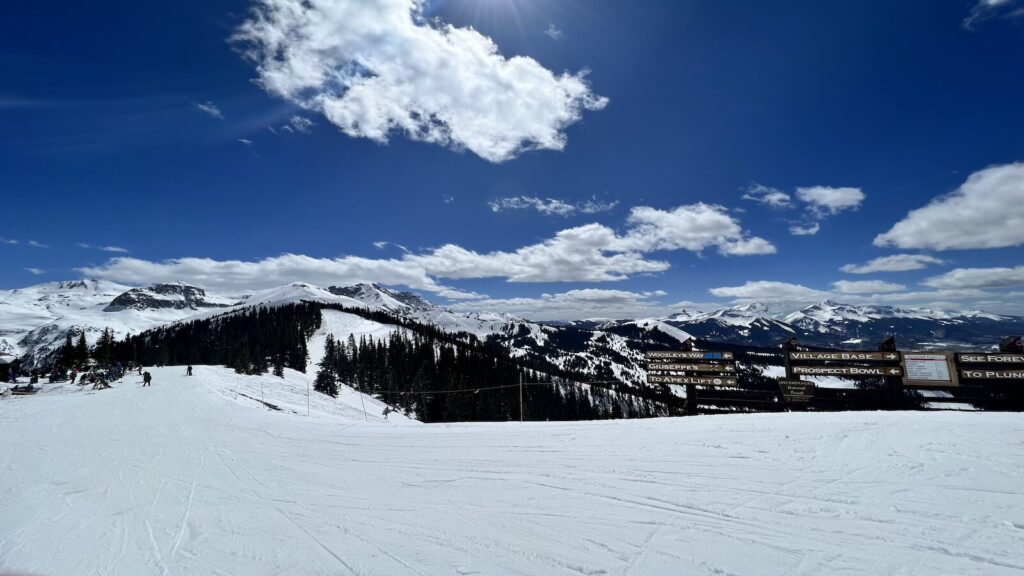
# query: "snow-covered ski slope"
[[193, 477]]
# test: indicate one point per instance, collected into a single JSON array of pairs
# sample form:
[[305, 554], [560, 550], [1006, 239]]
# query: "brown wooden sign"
[[673, 355], [692, 367], [992, 374], [847, 371], [846, 356], [797, 390], [965, 358], [694, 380]]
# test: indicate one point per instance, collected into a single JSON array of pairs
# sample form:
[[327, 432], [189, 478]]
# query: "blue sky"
[[602, 159]]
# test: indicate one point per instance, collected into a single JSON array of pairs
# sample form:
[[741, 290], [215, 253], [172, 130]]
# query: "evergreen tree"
[[81, 354], [326, 381], [66, 353], [104, 350]]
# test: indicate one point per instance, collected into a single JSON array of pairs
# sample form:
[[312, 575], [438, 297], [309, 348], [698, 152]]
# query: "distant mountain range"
[[34, 322]]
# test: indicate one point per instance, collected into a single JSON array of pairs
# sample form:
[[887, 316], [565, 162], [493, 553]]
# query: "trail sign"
[[694, 380], [672, 355], [797, 391], [925, 370], [992, 374], [846, 356], [990, 358], [847, 371], [692, 367]]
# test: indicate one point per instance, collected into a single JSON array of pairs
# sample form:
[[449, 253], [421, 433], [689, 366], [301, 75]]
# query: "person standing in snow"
[[147, 379], [188, 371]]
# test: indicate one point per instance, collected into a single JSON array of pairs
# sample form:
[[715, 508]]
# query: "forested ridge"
[[421, 370]]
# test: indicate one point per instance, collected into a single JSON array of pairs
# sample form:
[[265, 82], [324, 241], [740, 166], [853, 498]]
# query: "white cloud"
[[300, 123], [768, 196], [829, 201], [894, 263], [693, 227], [383, 244], [7, 241], [35, 244], [551, 206], [981, 278], [245, 141], [591, 253], [947, 294], [986, 211], [211, 109], [986, 9], [447, 198], [866, 286], [808, 230], [36, 271], [237, 275], [553, 32], [575, 305], [116, 249], [770, 291], [379, 67]]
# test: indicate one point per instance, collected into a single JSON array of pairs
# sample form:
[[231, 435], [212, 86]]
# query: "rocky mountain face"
[[162, 296]]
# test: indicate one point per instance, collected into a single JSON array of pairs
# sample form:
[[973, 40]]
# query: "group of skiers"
[[99, 376]]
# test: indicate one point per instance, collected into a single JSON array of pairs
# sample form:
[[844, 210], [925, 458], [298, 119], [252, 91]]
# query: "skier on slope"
[[188, 371], [147, 379]]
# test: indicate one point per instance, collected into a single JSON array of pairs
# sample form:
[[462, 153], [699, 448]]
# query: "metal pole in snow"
[[307, 397], [520, 396], [363, 402]]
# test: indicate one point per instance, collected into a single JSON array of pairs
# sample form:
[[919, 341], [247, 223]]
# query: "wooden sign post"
[[692, 368]]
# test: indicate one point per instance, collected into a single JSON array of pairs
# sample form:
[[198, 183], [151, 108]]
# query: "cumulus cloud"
[[770, 291], [986, 9], [211, 109], [829, 201], [553, 32], [866, 286], [768, 196], [586, 253], [693, 227], [593, 252], [597, 253], [807, 230], [376, 68], [576, 305], [982, 278], [894, 263], [986, 211], [821, 202], [551, 206]]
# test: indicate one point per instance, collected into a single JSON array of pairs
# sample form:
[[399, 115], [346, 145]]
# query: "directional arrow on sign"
[[846, 371], [692, 367]]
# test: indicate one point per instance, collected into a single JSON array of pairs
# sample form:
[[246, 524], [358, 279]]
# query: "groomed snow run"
[[191, 477]]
